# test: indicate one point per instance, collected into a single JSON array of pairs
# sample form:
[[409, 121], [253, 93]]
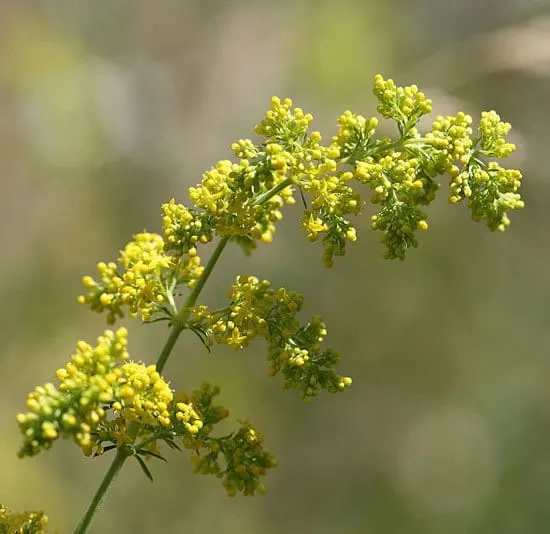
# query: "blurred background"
[[108, 109]]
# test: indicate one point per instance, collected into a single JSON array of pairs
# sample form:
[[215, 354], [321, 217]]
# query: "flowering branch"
[[105, 402]]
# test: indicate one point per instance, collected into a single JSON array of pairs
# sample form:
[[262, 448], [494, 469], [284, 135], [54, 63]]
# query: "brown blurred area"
[[108, 109]]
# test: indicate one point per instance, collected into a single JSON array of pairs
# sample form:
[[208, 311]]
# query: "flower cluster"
[[244, 461], [242, 200], [104, 401], [74, 409], [402, 172], [22, 523], [229, 192], [400, 189], [257, 310], [150, 271], [96, 380], [139, 286], [490, 189], [405, 105], [185, 229], [239, 458]]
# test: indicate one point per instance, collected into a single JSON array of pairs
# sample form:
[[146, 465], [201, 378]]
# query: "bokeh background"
[[108, 109]]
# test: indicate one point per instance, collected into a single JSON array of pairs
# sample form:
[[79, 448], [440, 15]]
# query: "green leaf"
[[145, 469], [172, 444], [146, 452]]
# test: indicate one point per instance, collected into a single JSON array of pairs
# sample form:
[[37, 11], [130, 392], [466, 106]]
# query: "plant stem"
[[183, 314], [101, 492], [264, 197], [178, 325], [376, 150]]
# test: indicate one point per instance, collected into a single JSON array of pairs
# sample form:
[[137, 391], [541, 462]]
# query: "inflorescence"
[[22, 523], [104, 401]]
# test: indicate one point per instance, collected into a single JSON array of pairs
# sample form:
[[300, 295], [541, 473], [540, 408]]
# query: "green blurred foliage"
[[109, 109]]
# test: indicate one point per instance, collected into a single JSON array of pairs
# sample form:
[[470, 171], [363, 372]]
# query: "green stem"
[[264, 197], [178, 325], [101, 492], [177, 329], [383, 148], [183, 314]]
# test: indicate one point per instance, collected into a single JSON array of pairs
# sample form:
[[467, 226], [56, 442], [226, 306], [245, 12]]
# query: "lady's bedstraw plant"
[[105, 402]]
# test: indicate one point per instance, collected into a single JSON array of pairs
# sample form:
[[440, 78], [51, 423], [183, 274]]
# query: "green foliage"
[[105, 402]]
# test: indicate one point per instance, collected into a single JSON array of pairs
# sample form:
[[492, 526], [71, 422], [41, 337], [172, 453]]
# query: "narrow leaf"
[[146, 452], [145, 469], [172, 444]]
